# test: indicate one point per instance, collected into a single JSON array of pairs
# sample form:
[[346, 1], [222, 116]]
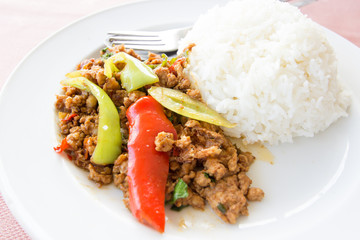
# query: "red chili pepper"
[[70, 117], [178, 61], [64, 145], [147, 168]]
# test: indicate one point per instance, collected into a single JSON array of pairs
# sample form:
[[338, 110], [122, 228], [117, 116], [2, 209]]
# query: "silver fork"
[[161, 41]]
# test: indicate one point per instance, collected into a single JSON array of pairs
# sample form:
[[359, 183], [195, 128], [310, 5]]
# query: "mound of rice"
[[267, 67]]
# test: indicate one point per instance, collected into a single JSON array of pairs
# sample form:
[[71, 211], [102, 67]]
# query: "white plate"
[[312, 190]]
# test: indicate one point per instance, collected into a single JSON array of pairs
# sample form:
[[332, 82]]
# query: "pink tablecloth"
[[25, 23]]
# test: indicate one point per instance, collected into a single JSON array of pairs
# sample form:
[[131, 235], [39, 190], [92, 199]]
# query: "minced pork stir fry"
[[199, 163]]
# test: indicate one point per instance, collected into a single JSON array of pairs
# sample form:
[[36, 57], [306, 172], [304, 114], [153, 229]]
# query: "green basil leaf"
[[221, 208], [180, 191]]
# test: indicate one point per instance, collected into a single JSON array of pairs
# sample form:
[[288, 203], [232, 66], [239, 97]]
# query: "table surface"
[[24, 24]]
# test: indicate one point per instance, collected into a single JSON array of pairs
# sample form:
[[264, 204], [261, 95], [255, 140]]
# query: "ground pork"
[[164, 142], [202, 156], [100, 174]]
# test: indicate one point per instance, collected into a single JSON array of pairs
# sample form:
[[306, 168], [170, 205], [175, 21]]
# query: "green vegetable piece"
[[104, 50], [184, 105], [109, 68], [180, 191], [135, 73], [109, 140], [172, 60], [153, 66], [165, 61], [107, 55], [221, 208]]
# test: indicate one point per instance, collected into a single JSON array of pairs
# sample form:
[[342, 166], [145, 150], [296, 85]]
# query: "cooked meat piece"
[[194, 93], [91, 102], [197, 142], [90, 144], [132, 97], [79, 159], [245, 160], [192, 123], [100, 174], [166, 79], [255, 194], [111, 85], [183, 142], [89, 124], [95, 74], [120, 177], [232, 159], [100, 77], [244, 182], [67, 126], [226, 199], [174, 165], [86, 64], [71, 91], [184, 84], [76, 102], [173, 78], [170, 186], [187, 154], [164, 142], [186, 168], [120, 173], [214, 168], [75, 139], [202, 179], [212, 151], [118, 97], [60, 103], [205, 137], [153, 59], [121, 48], [187, 178]]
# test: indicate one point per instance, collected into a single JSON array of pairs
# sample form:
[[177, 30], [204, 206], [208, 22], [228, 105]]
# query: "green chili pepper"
[[109, 67], [108, 146], [135, 73], [184, 105], [165, 61], [171, 62], [153, 66]]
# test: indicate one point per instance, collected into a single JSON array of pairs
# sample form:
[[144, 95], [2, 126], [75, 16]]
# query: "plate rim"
[[17, 210], [5, 188]]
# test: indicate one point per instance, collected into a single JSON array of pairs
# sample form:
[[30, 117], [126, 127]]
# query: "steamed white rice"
[[268, 68]]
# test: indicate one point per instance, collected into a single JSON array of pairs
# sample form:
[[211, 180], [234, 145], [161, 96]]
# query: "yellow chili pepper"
[[135, 73], [109, 140], [184, 105]]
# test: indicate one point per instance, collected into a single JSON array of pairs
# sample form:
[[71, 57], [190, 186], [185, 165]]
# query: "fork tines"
[[134, 39]]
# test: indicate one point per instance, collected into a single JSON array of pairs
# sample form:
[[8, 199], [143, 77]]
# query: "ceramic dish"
[[312, 189]]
